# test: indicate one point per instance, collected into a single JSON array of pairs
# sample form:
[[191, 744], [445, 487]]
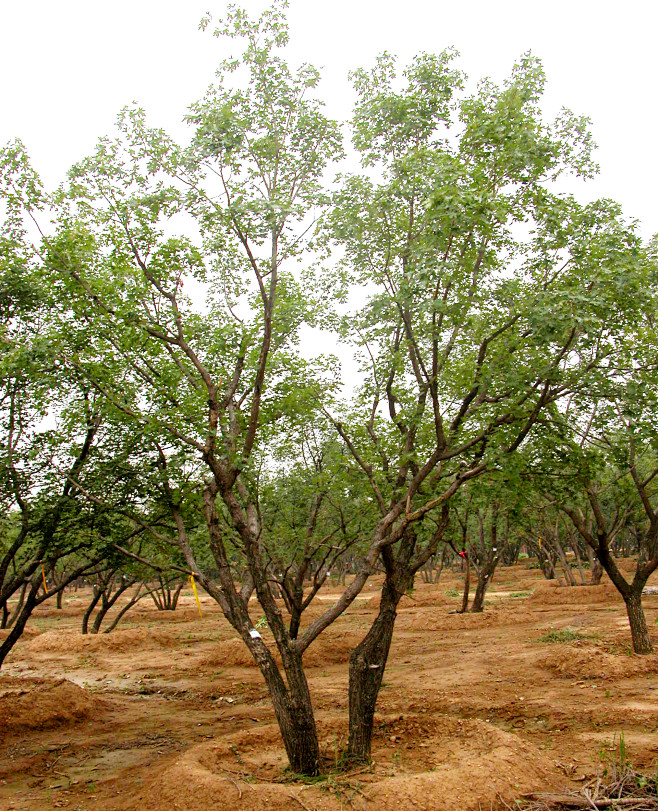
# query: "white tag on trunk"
[[254, 634]]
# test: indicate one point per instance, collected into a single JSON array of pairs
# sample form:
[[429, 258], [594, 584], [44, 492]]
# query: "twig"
[[236, 785], [305, 807]]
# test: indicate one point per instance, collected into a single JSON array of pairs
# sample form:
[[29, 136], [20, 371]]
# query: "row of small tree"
[[156, 382]]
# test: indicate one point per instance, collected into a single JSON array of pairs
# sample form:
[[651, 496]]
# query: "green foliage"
[[561, 636]]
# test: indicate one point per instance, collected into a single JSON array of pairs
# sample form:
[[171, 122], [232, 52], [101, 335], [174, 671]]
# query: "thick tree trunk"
[[294, 713], [638, 623], [367, 665]]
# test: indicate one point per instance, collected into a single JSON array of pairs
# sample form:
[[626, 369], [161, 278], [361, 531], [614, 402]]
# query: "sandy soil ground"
[[168, 711]]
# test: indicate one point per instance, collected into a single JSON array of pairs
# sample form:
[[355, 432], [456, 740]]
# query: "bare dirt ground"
[[168, 711]]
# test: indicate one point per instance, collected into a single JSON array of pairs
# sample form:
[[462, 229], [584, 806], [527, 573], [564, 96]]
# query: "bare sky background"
[[68, 66]]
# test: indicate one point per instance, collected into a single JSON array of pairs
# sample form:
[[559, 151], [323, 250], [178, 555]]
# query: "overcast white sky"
[[68, 66]]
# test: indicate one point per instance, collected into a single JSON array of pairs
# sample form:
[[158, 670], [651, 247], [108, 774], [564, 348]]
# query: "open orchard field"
[[477, 710]]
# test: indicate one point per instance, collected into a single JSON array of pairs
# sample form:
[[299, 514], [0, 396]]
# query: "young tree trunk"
[[108, 602], [568, 574], [467, 584], [595, 567], [574, 546], [174, 595], [100, 615], [90, 608], [9, 617], [367, 665], [485, 575], [638, 623], [137, 596], [20, 619]]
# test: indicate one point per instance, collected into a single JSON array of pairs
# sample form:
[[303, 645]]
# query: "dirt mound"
[[230, 653], [27, 703], [464, 765], [483, 619], [119, 641], [570, 661], [28, 633], [427, 596], [424, 621], [551, 594], [331, 648]]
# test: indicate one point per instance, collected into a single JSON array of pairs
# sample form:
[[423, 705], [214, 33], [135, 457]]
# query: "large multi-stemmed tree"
[[488, 299]]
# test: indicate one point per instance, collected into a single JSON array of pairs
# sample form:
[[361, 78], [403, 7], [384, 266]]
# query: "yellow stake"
[[43, 574], [540, 543], [198, 604]]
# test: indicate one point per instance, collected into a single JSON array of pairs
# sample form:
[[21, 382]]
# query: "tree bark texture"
[[638, 623], [367, 665]]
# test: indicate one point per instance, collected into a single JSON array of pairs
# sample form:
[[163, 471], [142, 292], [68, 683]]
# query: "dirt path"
[[168, 712]]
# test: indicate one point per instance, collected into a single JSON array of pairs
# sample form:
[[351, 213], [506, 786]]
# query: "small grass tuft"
[[561, 636]]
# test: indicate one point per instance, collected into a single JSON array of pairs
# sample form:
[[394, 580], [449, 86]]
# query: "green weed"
[[561, 636]]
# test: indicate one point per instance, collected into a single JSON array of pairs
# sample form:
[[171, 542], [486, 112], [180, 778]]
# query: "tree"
[[205, 388], [480, 291], [606, 448], [49, 422]]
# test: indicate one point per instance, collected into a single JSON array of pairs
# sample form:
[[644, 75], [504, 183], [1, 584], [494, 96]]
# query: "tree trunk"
[[485, 576], [90, 608], [595, 566], [9, 617], [137, 596], [367, 665], [173, 600], [294, 712], [638, 623], [467, 584], [574, 546], [20, 621], [100, 616], [568, 574]]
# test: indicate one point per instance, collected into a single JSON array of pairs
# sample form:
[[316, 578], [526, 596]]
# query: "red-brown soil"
[[168, 711]]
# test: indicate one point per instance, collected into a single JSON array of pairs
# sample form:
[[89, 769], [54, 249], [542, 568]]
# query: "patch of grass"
[[520, 593], [561, 636], [453, 593]]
